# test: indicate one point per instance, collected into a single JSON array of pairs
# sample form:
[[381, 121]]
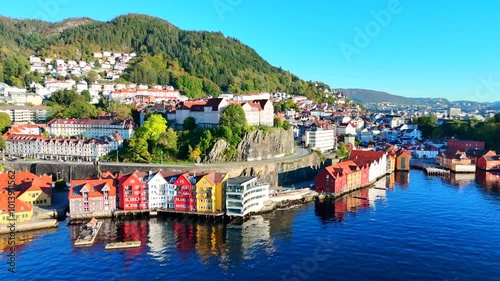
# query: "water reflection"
[[329, 211], [391, 180], [21, 239], [402, 178], [488, 179], [462, 179]]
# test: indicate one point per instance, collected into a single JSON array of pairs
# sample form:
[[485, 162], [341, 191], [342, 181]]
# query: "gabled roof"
[[21, 206], [219, 177], [27, 181], [210, 177], [374, 155], [95, 188], [214, 103], [107, 175]]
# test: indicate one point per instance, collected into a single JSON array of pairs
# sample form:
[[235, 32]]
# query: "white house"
[[346, 129], [245, 195], [157, 187]]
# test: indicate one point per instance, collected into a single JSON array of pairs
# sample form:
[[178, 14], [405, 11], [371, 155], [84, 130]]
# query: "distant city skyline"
[[409, 48]]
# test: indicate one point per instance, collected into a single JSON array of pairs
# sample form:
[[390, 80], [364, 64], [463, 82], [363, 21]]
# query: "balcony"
[[234, 189], [235, 204]]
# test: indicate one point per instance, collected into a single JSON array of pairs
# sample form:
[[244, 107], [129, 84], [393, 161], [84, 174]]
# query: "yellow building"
[[23, 211], [30, 188], [209, 194], [35, 195]]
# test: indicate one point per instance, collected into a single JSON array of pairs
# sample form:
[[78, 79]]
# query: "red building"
[[185, 200], [133, 193], [463, 145], [489, 162], [331, 179]]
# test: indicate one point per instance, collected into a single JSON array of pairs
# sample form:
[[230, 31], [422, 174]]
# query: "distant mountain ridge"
[[371, 96]]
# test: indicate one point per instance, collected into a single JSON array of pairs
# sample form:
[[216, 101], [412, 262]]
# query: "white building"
[[376, 159], [26, 114], [90, 128], [38, 146], [259, 112], [319, 139], [157, 188], [346, 129], [245, 195], [207, 114]]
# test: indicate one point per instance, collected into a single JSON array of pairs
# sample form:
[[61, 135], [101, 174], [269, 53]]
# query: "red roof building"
[[489, 162]]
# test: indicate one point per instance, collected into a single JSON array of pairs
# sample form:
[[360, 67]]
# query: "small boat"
[[89, 233], [123, 245]]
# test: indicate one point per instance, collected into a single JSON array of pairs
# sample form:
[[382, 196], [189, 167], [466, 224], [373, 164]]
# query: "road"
[[299, 153]]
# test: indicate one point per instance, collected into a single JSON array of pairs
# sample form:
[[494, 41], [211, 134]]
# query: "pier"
[[436, 171], [29, 226], [216, 216]]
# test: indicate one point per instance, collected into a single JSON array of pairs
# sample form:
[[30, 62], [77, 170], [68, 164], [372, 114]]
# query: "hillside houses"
[[206, 113]]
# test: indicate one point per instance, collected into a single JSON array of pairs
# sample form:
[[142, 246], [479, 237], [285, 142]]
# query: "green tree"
[[286, 125], [189, 124], [4, 121], [123, 112], [168, 140], [97, 64], [342, 152], [234, 118], [153, 127], [278, 122], [80, 109], [86, 95], [205, 141], [91, 77], [2, 143]]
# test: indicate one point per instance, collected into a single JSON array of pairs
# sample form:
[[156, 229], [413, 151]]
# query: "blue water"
[[424, 228]]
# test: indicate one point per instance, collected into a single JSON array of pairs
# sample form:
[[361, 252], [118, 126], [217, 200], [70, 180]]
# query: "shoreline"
[[30, 226]]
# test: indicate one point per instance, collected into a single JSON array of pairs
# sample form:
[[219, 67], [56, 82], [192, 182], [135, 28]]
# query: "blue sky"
[[413, 48]]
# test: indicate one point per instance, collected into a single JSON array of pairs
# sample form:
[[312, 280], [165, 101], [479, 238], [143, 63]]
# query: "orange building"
[[402, 162]]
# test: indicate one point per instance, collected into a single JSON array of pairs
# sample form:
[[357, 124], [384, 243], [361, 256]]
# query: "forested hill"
[[197, 62]]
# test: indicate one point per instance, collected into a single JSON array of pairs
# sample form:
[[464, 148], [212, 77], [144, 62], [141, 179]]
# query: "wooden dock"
[[123, 245], [170, 211], [436, 171], [88, 234]]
